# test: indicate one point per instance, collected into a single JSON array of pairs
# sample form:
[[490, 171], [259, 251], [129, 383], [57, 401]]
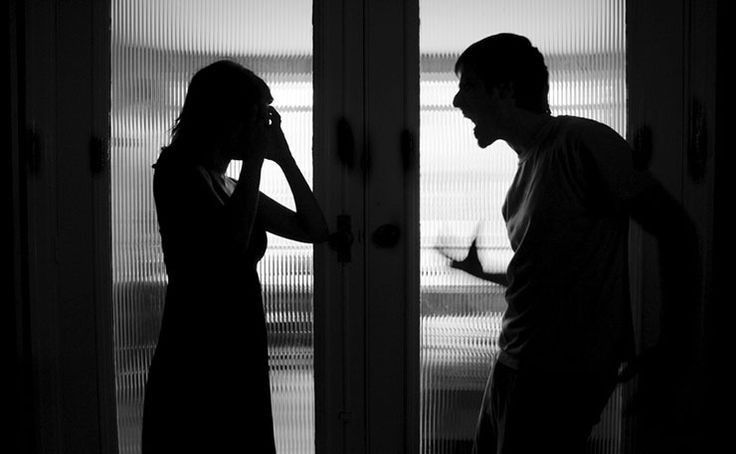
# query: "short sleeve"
[[610, 160]]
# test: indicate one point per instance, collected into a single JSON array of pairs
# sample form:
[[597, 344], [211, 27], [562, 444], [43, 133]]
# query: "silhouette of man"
[[568, 326]]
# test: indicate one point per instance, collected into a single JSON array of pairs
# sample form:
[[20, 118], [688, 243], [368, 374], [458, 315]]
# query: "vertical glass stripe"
[[462, 189], [156, 48]]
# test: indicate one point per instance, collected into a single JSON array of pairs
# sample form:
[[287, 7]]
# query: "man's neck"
[[525, 131]]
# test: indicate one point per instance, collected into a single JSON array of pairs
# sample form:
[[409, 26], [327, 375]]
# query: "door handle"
[[386, 235]]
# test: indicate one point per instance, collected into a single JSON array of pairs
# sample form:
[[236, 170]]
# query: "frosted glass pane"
[[156, 48], [463, 187]]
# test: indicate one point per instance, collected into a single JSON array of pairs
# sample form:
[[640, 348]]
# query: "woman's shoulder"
[[171, 164], [173, 174]]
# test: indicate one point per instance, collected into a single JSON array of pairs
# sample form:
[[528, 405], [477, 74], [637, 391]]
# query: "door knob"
[[386, 235]]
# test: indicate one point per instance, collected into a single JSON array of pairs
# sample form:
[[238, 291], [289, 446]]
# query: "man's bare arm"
[[471, 265]]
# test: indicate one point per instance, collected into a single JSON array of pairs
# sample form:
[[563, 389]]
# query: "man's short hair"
[[506, 58]]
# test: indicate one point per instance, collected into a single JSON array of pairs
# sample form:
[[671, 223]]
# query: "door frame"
[[63, 190], [366, 309], [671, 78]]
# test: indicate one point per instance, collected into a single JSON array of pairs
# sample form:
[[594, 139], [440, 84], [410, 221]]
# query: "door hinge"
[[342, 240]]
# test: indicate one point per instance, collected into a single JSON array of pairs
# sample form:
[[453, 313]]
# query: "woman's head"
[[224, 100], [510, 59]]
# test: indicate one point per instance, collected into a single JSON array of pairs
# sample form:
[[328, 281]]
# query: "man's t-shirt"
[[567, 219]]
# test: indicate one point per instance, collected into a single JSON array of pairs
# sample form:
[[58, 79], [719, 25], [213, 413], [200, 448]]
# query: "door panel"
[[391, 228], [339, 128]]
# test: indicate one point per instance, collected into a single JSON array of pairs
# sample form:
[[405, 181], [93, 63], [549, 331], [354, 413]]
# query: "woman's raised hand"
[[277, 148]]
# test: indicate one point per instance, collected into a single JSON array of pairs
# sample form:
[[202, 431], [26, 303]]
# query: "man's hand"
[[471, 265]]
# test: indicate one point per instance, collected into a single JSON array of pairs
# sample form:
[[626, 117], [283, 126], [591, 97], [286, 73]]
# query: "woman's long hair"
[[219, 97]]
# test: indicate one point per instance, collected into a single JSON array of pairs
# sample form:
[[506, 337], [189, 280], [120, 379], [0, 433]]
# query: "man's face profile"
[[479, 105]]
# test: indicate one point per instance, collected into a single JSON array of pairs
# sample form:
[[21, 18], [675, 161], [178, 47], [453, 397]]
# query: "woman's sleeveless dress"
[[207, 387]]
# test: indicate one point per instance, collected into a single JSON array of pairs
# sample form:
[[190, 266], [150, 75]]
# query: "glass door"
[[406, 340], [463, 187], [156, 48]]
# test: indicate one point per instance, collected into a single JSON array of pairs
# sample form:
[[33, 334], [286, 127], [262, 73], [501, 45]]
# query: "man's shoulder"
[[587, 133], [581, 126]]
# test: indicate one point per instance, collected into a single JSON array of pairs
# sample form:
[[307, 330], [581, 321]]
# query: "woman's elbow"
[[320, 236], [313, 232]]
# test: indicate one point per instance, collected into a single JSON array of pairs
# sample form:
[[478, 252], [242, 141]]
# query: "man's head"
[[497, 73]]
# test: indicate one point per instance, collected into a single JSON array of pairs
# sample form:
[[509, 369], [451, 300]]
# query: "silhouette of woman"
[[208, 387]]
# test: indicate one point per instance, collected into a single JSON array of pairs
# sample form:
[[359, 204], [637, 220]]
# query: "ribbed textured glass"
[[156, 48], [463, 188]]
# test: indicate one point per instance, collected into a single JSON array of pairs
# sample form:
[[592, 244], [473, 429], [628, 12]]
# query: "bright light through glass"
[[156, 48], [462, 189]]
